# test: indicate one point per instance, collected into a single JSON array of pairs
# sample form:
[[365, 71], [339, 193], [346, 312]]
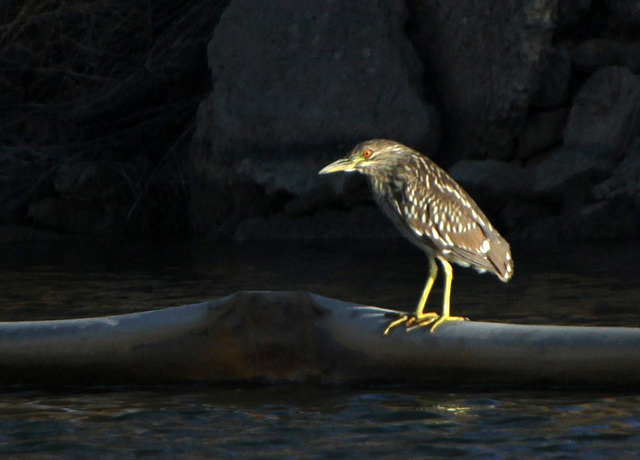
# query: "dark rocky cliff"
[[214, 117]]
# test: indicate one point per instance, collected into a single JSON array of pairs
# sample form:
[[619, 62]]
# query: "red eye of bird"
[[367, 153]]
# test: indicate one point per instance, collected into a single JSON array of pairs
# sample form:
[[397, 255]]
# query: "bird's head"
[[370, 157]]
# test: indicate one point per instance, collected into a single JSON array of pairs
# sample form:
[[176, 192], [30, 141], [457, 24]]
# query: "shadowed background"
[[213, 118]]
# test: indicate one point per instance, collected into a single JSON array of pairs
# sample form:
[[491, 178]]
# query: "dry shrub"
[[107, 81]]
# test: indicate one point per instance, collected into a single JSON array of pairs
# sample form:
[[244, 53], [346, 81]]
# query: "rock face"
[[566, 174], [589, 182], [553, 87], [295, 85], [624, 184], [486, 59], [541, 131], [624, 13], [217, 115], [492, 182], [606, 111], [592, 54]]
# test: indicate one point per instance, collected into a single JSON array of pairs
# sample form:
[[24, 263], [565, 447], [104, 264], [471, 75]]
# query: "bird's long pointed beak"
[[343, 164]]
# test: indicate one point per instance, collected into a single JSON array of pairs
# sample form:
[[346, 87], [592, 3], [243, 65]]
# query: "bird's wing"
[[464, 231], [447, 218], [471, 238], [450, 219]]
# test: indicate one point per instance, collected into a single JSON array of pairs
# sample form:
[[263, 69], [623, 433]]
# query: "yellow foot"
[[435, 322], [411, 319]]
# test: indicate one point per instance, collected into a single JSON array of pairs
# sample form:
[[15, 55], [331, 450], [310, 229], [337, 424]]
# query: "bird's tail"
[[500, 258]]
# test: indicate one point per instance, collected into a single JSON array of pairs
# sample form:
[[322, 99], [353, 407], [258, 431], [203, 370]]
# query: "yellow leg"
[[433, 274], [419, 317], [446, 301]]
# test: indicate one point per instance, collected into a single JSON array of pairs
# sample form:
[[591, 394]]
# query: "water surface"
[[589, 285]]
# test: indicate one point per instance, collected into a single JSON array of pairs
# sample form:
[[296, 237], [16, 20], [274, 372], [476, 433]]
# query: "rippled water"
[[306, 421], [596, 285]]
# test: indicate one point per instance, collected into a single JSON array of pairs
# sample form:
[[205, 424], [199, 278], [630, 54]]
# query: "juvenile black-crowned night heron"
[[434, 213]]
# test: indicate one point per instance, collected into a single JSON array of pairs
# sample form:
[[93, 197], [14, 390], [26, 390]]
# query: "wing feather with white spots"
[[458, 228]]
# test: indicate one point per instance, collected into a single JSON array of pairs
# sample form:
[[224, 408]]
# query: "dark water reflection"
[[590, 285], [594, 285]]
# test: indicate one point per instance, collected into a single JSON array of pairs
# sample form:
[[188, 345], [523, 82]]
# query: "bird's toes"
[[423, 319], [404, 318]]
